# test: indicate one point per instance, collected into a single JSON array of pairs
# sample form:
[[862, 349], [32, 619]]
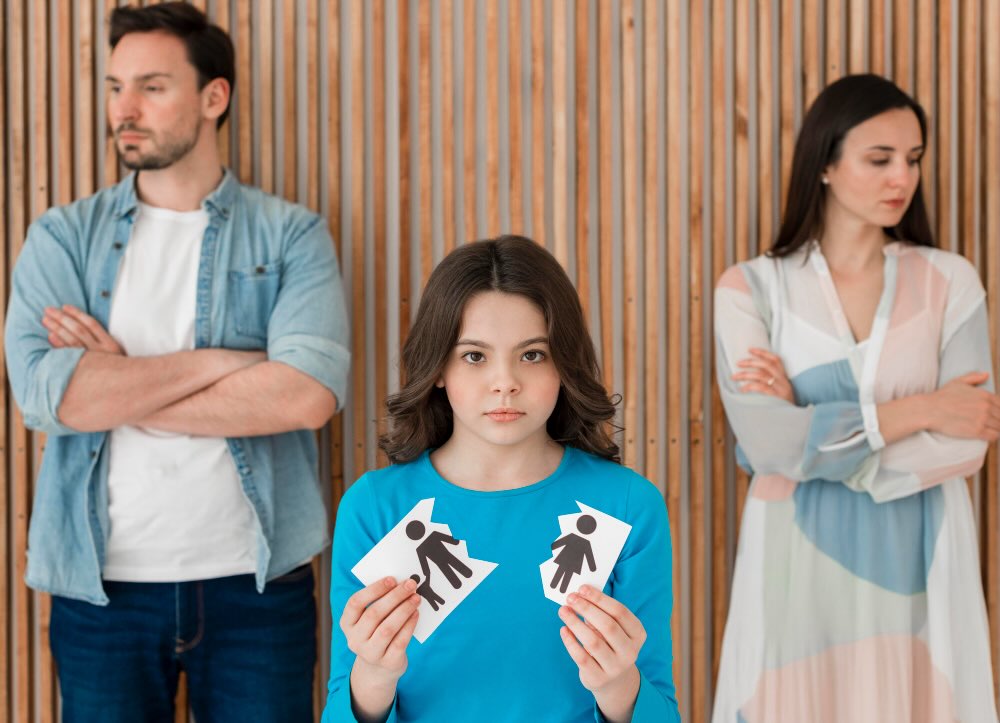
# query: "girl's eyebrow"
[[484, 345]]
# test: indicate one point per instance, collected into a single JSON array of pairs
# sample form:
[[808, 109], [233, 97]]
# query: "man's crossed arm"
[[208, 392]]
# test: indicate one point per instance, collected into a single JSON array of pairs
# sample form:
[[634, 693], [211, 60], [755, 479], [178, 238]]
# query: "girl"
[[503, 422], [854, 365]]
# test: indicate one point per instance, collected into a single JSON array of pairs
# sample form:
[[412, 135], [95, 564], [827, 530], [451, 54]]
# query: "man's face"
[[154, 104]]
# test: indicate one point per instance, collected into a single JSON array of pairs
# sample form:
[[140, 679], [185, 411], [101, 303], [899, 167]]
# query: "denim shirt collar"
[[219, 202]]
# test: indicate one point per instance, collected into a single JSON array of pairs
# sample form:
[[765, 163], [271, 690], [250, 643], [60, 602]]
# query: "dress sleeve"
[[642, 581], [353, 537], [829, 440], [926, 459]]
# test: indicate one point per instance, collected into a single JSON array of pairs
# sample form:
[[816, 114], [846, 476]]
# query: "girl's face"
[[876, 176], [500, 379]]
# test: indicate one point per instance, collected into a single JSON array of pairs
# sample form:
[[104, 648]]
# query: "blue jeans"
[[247, 656]]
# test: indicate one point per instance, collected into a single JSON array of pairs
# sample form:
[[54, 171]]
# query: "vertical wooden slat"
[[968, 121], [651, 130], [264, 87], [945, 100], [720, 572], [492, 120], [674, 163], [858, 36], [221, 18], [288, 91], [991, 177], [106, 154], [312, 105], [606, 25], [469, 120], [403, 171], [333, 159], [359, 358], [515, 32], [448, 122], [902, 46], [877, 35], [812, 50], [767, 204], [424, 121], [790, 80], [560, 141], [244, 84], [538, 196], [88, 92], [382, 250], [630, 115], [925, 60], [7, 555], [833, 41], [699, 563], [582, 180]]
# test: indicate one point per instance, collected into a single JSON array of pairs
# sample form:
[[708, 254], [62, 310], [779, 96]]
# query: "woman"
[[854, 365]]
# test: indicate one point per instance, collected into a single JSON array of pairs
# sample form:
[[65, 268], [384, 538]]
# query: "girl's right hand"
[[378, 623], [961, 409]]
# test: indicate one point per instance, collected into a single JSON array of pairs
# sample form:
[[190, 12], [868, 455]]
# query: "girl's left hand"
[[604, 646]]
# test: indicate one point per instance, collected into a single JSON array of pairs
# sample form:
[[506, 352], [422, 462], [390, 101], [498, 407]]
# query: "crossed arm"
[[209, 392]]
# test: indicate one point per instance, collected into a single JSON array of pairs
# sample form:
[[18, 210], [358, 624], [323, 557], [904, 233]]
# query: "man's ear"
[[215, 98]]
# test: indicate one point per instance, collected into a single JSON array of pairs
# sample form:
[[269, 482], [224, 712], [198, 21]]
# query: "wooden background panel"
[[647, 144]]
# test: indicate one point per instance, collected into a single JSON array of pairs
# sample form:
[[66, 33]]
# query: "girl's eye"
[[474, 357], [534, 356]]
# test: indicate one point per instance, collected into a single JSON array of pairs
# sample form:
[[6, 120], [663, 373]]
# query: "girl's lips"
[[505, 415]]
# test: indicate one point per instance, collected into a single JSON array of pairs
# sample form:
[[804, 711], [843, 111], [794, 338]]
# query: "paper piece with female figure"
[[585, 552], [426, 552]]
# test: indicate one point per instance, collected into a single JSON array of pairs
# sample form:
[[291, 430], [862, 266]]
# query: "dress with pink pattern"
[[856, 594]]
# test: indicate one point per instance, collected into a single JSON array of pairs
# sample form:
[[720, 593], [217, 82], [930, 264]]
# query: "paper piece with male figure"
[[425, 551], [585, 552]]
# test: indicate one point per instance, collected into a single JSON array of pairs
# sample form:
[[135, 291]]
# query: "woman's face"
[[877, 173]]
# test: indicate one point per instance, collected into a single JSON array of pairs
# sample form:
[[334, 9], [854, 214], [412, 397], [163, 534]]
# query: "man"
[[177, 336]]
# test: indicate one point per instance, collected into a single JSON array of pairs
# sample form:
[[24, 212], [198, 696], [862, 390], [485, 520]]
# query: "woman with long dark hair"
[[853, 360]]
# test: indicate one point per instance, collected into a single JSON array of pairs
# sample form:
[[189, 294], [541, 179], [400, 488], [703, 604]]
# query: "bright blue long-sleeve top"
[[499, 656]]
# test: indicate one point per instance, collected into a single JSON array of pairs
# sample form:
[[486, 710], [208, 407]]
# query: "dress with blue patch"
[[857, 593]]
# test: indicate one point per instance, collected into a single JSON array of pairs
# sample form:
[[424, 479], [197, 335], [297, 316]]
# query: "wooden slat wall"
[[646, 143]]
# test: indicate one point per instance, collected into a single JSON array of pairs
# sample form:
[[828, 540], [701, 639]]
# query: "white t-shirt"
[[176, 504]]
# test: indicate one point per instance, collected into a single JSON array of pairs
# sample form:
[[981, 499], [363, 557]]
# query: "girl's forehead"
[[501, 315]]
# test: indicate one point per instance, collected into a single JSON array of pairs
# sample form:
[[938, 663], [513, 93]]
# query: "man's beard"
[[162, 156]]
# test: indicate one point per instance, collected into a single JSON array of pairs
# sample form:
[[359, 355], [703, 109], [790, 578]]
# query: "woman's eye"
[[473, 357], [880, 161], [533, 356]]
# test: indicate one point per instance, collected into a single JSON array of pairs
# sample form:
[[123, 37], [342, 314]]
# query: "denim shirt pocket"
[[253, 291]]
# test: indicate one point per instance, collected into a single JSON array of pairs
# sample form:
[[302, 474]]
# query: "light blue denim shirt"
[[267, 279]]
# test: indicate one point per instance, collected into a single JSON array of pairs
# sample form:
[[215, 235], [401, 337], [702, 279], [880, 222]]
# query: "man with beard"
[[178, 336]]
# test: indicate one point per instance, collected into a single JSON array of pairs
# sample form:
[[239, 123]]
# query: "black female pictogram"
[[575, 549], [433, 550]]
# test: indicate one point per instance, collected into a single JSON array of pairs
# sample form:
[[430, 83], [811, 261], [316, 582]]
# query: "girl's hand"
[[764, 373], [378, 623], [70, 327], [604, 646], [961, 409]]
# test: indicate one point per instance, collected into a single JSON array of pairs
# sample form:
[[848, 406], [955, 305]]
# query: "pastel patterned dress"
[[857, 594]]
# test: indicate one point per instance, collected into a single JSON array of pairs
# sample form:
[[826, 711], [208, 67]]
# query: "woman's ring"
[[770, 382]]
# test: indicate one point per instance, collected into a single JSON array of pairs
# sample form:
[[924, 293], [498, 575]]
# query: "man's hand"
[[70, 327]]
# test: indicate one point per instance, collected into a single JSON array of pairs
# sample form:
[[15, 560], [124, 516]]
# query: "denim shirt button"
[[118, 245], [93, 454], [105, 293], [259, 269]]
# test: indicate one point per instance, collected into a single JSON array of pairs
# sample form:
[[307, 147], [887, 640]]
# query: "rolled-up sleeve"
[[307, 329], [45, 275]]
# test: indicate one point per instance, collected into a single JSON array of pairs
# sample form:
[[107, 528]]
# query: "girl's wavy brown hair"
[[420, 417]]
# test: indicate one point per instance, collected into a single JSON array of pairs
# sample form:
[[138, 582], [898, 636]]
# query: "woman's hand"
[[604, 646], [70, 327], [961, 409], [378, 623], [764, 373]]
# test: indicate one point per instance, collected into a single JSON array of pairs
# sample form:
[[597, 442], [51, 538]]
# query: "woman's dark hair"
[[842, 105], [209, 47], [420, 416]]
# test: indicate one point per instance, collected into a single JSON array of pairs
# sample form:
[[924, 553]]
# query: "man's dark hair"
[[209, 47]]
